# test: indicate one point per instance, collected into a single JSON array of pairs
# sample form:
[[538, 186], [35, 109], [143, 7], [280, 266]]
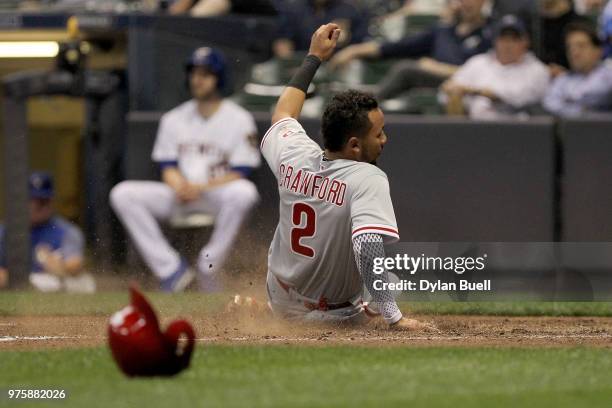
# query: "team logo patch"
[[286, 132]]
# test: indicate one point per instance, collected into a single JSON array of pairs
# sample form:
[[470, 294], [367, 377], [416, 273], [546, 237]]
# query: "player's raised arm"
[[322, 46]]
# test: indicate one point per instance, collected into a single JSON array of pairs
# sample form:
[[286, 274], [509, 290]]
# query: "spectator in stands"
[[555, 15], [56, 245], [300, 18], [587, 87], [210, 8], [501, 83], [433, 56]]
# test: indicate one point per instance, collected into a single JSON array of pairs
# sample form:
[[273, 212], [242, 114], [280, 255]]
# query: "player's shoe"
[[179, 280]]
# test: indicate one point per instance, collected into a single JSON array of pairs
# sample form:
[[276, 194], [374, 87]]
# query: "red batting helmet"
[[138, 345]]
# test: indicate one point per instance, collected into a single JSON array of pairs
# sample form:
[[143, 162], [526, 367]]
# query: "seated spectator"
[[56, 245], [555, 15], [587, 87], [441, 49], [211, 8], [501, 83], [300, 18]]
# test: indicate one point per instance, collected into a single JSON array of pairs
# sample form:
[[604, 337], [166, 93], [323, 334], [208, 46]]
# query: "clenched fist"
[[324, 41]]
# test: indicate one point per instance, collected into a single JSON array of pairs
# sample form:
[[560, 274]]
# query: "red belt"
[[320, 305]]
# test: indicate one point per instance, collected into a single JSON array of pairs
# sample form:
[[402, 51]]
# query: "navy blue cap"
[[40, 185], [510, 22], [211, 59]]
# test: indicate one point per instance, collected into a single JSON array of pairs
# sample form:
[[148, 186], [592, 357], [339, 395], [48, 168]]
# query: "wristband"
[[303, 77]]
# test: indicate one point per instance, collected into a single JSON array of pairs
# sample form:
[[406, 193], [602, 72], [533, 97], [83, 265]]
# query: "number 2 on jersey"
[[298, 231]]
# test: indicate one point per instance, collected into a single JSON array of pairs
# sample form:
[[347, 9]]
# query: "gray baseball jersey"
[[323, 205]]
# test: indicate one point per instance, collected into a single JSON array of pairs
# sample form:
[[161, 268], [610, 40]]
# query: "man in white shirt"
[[206, 148], [501, 83]]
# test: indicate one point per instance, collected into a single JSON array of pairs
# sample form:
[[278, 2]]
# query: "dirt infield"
[[38, 332]]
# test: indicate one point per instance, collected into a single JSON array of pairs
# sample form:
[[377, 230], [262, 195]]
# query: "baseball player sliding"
[[205, 148], [334, 204]]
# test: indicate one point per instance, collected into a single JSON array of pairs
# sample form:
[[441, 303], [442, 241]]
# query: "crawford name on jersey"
[[309, 184]]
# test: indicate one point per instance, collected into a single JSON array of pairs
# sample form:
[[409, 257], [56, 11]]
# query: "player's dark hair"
[[586, 28], [345, 116]]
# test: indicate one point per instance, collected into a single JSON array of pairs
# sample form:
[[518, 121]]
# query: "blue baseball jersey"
[[58, 234]]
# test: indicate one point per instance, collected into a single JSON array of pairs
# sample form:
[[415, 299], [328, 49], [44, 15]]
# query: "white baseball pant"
[[141, 205], [287, 303]]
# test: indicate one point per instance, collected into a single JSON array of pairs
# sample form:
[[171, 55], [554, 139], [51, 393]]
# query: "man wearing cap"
[[56, 244], [501, 83], [206, 148]]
